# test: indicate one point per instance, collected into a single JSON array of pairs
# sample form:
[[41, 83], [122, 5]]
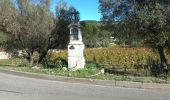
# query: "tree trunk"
[[30, 58], [42, 56], [162, 55], [164, 63]]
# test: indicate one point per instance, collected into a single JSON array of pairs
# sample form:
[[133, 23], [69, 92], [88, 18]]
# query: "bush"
[[19, 62], [56, 60]]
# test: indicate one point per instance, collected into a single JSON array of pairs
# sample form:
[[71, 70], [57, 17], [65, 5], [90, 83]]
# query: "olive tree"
[[29, 25], [146, 19]]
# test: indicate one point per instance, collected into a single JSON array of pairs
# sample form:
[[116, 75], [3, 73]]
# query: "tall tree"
[[118, 17], [60, 35], [148, 19]]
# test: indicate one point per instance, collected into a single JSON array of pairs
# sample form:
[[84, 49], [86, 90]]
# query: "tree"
[[93, 35], [60, 35], [118, 18], [7, 11], [30, 27], [147, 19], [34, 28], [63, 15]]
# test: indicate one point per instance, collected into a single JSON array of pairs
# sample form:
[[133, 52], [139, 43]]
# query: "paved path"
[[20, 88]]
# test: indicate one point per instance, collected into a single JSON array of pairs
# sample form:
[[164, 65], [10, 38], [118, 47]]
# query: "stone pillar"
[[76, 59]]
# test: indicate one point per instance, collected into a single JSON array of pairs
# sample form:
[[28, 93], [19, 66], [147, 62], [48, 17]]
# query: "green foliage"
[[147, 20], [20, 62], [60, 37], [29, 25], [56, 60], [3, 38], [91, 65], [57, 63], [33, 27], [14, 62], [89, 72], [94, 36]]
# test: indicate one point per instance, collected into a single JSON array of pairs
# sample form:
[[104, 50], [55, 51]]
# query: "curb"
[[111, 83]]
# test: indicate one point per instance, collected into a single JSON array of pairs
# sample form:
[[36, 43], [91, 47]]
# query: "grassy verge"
[[89, 72]]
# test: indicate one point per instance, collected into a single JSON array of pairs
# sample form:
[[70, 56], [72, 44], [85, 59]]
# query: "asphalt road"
[[21, 88]]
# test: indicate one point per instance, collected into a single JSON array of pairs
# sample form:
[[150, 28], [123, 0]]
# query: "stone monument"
[[76, 59]]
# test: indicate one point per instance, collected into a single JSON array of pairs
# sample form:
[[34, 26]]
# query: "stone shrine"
[[76, 47]]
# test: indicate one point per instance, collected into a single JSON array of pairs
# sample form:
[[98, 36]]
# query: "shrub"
[[56, 59]]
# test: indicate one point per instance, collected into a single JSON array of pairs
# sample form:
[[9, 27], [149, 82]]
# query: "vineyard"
[[139, 61]]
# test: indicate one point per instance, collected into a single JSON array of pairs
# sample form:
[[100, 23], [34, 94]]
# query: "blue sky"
[[88, 8]]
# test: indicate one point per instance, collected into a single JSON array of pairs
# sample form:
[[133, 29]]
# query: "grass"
[[90, 71]]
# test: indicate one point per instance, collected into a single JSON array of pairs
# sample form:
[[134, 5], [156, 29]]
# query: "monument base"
[[75, 63], [76, 59]]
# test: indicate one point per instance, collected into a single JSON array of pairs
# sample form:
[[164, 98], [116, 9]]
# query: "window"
[[74, 34]]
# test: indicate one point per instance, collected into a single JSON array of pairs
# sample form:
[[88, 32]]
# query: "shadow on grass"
[[117, 71], [154, 70]]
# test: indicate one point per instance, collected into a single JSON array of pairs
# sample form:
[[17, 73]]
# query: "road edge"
[[112, 83]]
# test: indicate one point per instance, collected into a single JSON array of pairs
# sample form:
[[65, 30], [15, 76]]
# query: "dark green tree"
[[60, 35], [94, 35]]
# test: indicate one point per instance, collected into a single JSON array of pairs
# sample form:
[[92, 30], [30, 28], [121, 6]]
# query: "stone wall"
[[4, 55]]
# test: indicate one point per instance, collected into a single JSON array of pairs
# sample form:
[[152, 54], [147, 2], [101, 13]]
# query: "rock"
[[5, 55], [64, 68], [35, 67], [102, 71]]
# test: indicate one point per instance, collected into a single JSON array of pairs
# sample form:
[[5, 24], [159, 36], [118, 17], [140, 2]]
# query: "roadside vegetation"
[[90, 72], [130, 43], [138, 65]]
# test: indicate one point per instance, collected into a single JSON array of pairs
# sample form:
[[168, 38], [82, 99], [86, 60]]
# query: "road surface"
[[22, 88]]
